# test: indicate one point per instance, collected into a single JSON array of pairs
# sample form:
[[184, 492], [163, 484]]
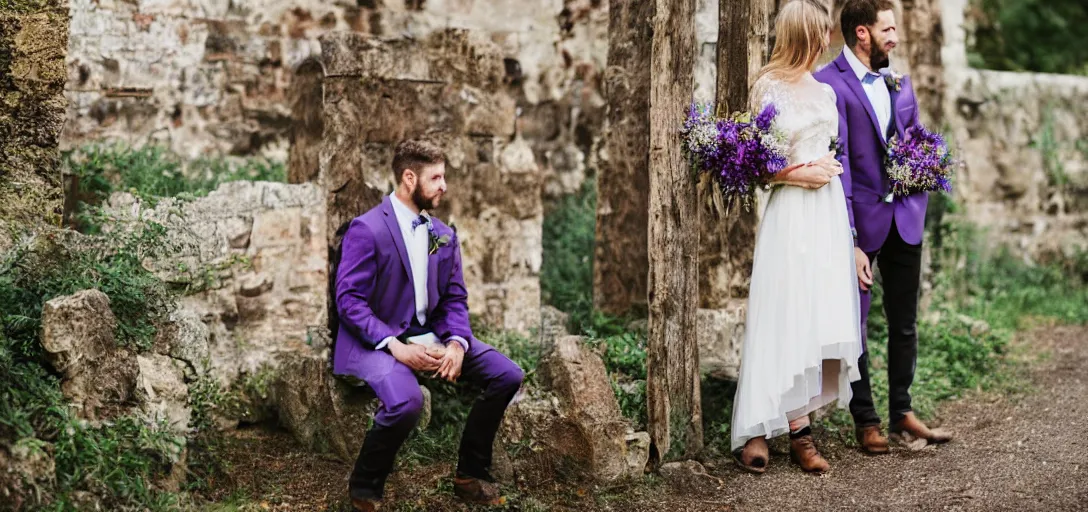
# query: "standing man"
[[874, 105], [399, 289]]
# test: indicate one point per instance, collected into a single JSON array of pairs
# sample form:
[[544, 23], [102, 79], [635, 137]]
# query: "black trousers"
[[900, 267]]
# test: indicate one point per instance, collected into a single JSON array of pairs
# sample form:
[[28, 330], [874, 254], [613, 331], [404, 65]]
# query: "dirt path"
[[1028, 452], [1025, 452]]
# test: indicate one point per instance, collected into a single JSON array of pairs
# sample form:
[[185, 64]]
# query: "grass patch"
[[566, 275], [117, 461]]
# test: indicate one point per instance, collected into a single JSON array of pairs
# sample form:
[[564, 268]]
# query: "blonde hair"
[[800, 31]]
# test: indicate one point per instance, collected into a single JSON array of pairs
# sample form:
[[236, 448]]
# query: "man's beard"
[[878, 58], [421, 202]]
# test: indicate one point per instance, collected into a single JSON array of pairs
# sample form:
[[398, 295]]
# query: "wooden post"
[[672, 384], [620, 259]]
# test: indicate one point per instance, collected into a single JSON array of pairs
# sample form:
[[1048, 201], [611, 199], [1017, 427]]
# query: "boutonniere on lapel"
[[894, 80], [436, 241]]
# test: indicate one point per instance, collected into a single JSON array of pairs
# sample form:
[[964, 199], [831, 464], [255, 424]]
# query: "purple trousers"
[[397, 387]]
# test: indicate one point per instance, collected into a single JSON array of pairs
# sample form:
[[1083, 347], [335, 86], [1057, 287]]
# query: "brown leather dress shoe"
[[803, 452], [871, 441], [477, 492], [753, 457], [914, 434], [364, 505]]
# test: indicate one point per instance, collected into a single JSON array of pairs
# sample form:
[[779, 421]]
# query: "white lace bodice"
[[806, 113]]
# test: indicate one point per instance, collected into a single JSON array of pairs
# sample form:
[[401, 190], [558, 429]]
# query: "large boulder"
[[578, 378], [98, 377], [253, 258], [573, 427], [324, 412]]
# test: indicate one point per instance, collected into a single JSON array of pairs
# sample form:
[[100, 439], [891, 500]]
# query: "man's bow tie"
[[422, 219]]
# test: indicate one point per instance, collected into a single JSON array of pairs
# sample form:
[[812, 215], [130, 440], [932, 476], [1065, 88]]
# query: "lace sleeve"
[[830, 92], [760, 95]]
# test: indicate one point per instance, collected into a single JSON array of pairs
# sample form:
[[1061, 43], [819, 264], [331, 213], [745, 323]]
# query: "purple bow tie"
[[422, 219]]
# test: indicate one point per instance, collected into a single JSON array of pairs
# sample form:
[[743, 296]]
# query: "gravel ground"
[[1028, 451]]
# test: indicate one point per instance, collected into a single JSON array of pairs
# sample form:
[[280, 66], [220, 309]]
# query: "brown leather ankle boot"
[[871, 441], [753, 457], [803, 452]]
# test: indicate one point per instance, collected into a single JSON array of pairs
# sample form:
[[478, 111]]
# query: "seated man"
[[400, 277]]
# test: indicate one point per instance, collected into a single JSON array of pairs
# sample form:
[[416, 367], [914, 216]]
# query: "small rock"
[[638, 452], [682, 473]]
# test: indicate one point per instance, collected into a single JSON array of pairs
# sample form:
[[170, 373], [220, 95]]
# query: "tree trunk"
[[923, 39], [672, 384], [620, 257], [727, 240]]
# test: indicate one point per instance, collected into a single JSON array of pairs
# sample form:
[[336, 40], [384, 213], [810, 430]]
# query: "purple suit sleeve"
[[450, 317], [844, 159], [355, 281]]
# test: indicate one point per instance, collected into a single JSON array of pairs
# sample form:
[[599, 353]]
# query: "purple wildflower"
[[740, 152], [920, 162]]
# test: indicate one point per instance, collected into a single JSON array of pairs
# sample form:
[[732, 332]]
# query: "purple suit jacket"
[[864, 179], [375, 297]]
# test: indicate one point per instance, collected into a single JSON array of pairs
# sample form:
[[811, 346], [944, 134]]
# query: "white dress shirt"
[[875, 89], [417, 244]]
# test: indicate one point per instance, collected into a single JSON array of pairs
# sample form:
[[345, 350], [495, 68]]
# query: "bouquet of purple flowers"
[[740, 153], [919, 162]]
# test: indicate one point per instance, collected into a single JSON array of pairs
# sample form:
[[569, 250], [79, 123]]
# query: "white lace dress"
[[803, 334]]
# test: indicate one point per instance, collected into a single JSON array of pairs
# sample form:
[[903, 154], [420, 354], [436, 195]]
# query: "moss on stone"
[[33, 47], [28, 6]]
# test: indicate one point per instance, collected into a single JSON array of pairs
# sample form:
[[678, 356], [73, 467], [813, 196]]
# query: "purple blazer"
[[864, 179], [375, 297]]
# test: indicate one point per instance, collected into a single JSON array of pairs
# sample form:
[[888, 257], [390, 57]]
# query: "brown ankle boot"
[[477, 492], [803, 452], [914, 434], [871, 441], [753, 457]]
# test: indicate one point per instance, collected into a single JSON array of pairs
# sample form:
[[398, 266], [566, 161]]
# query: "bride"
[[803, 335]]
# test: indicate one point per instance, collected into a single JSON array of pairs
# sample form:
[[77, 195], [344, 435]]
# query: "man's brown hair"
[[860, 13], [414, 154]]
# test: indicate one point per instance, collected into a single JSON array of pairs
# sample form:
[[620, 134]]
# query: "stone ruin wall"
[[1024, 139], [215, 77]]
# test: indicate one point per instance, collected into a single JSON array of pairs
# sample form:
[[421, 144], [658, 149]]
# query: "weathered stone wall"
[[449, 86], [255, 258], [215, 76], [33, 41], [1024, 141]]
